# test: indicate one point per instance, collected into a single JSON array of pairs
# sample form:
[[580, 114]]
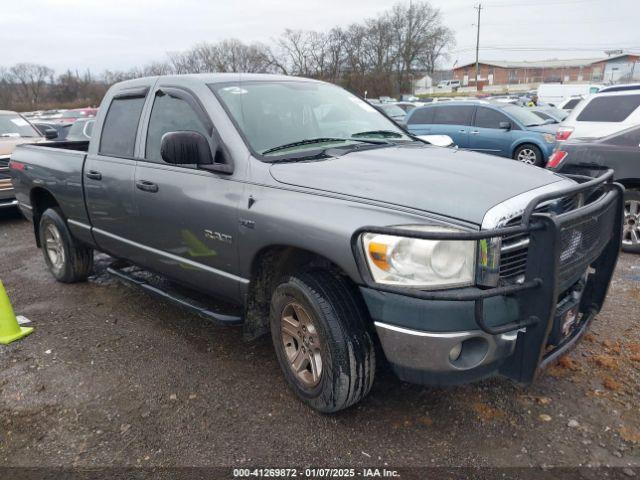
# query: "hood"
[[444, 181], [550, 128], [8, 144]]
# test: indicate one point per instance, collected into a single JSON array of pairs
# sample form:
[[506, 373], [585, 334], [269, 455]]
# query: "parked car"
[[495, 128], [569, 104], [393, 111], [329, 226], [406, 106], [409, 98], [548, 113], [449, 85], [53, 130], [70, 116], [592, 156], [14, 130], [387, 100], [80, 129], [602, 114], [555, 93]]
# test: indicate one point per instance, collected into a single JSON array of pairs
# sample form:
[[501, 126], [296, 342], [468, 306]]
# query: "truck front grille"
[[515, 248]]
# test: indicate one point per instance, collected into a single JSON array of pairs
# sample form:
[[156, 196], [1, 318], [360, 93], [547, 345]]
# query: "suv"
[[603, 114], [498, 129]]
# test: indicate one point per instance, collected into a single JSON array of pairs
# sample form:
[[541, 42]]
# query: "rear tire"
[[320, 315], [529, 154], [631, 222], [68, 260]]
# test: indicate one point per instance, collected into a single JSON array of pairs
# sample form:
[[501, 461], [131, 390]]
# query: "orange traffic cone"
[[10, 331]]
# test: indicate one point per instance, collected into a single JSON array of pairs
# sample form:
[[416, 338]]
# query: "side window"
[[120, 127], [571, 104], [169, 114], [630, 138], [489, 118], [453, 115], [609, 109], [421, 116]]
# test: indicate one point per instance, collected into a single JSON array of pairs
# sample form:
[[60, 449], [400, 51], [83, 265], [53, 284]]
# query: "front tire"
[[529, 154], [631, 222], [68, 260], [320, 335]]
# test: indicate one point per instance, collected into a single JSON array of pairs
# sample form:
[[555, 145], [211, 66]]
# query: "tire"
[[338, 322], [529, 154], [631, 222], [67, 259]]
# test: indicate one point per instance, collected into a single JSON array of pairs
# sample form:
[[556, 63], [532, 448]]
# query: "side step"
[[219, 312]]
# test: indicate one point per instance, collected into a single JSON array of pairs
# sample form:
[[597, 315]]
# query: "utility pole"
[[479, 8]]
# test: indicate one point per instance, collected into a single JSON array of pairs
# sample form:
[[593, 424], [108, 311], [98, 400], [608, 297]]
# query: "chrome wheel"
[[631, 227], [528, 156], [54, 247], [301, 344]]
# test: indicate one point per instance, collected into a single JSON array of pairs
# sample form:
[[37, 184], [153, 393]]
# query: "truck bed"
[[58, 165]]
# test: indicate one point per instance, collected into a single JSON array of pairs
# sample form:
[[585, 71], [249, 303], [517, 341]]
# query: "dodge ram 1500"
[[328, 225]]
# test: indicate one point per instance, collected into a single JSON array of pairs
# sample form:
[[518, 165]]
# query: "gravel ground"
[[113, 377]]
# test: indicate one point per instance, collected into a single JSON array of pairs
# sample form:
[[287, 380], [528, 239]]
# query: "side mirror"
[[182, 148], [505, 125], [437, 140], [50, 133]]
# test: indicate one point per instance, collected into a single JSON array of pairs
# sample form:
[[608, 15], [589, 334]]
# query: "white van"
[[554, 93], [449, 85]]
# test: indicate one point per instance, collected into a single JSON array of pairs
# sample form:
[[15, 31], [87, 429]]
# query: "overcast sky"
[[120, 34]]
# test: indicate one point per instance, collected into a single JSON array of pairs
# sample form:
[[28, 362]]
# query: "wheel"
[[67, 259], [631, 222], [529, 154], [319, 331]]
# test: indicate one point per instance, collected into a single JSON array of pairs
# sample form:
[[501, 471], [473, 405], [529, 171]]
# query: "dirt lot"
[[114, 377]]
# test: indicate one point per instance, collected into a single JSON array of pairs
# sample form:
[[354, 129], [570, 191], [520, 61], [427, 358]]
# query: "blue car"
[[498, 129]]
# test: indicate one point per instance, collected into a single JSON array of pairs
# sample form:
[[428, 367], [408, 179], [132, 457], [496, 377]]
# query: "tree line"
[[382, 55]]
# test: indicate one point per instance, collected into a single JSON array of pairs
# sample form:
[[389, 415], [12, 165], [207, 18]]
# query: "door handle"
[[462, 131], [147, 186], [474, 132], [93, 175]]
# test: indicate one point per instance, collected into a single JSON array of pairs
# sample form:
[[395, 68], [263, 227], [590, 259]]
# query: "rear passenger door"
[[455, 121], [486, 136], [109, 173], [187, 217]]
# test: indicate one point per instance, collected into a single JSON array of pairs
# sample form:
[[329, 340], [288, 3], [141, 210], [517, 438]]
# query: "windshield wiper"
[[312, 141], [383, 133]]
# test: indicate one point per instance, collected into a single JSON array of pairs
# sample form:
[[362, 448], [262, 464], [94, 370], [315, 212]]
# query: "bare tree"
[[31, 79]]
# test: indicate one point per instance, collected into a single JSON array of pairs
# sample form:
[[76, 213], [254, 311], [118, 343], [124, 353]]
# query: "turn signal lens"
[[563, 133], [378, 255]]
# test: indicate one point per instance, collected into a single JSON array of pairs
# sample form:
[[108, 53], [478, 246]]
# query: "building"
[[422, 85], [615, 68]]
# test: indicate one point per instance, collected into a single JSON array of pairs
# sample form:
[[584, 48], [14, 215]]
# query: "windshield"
[[13, 125], [524, 116], [308, 114]]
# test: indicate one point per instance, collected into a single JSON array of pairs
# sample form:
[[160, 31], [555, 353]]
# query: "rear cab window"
[[609, 108], [120, 128]]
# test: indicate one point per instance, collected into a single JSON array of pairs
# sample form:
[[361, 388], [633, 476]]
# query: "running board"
[[184, 297]]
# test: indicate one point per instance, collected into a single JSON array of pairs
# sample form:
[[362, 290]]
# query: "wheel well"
[[41, 200], [268, 268]]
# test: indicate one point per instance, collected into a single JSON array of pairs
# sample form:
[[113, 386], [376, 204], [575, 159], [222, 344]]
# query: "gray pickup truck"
[[316, 218]]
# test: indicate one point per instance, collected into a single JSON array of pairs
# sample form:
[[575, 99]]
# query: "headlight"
[[549, 138], [417, 263]]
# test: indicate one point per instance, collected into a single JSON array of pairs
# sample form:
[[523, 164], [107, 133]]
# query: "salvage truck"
[[291, 206]]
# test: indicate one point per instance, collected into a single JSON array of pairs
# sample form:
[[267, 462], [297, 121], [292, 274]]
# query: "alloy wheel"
[[631, 227], [54, 247], [527, 155], [301, 344]]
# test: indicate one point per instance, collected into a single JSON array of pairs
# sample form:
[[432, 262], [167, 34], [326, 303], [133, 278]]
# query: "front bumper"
[[513, 324]]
